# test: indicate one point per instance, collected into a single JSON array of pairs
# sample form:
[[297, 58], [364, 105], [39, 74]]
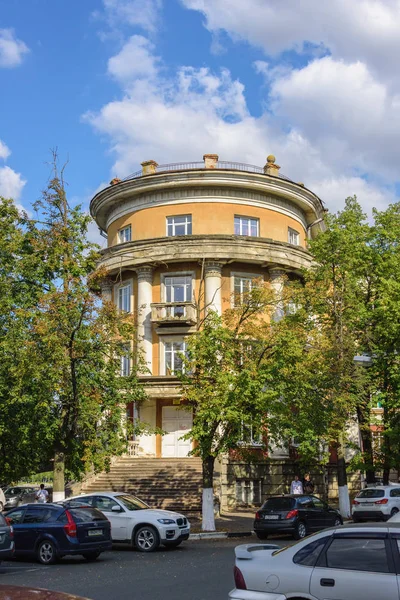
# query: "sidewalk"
[[229, 524]]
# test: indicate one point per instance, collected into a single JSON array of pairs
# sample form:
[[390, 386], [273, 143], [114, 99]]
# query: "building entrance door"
[[176, 422]]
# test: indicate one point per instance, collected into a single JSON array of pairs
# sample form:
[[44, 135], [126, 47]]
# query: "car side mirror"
[[116, 509]]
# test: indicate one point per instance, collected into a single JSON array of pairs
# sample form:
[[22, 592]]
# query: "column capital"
[[106, 285], [145, 273], [276, 273], [213, 268]]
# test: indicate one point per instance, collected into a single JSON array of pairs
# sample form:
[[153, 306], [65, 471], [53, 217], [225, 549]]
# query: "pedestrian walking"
[[308, 485], [42, 495], [296, 486]]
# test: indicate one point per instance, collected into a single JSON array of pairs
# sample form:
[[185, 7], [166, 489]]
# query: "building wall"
[[207, 218]]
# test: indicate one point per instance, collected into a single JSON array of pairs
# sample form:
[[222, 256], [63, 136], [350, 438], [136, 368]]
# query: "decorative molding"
[[225, 248]]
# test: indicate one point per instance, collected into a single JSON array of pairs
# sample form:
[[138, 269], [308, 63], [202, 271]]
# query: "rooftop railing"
[[194, 166]]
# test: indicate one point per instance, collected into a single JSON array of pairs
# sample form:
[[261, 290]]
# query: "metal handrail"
[[195, 166]]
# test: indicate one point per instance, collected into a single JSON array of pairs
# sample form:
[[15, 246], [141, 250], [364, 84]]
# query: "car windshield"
[[280, 503], [132, 503], [371, 493]]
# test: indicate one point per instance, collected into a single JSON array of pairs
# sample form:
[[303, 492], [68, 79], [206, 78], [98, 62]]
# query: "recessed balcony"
[[173, 312]]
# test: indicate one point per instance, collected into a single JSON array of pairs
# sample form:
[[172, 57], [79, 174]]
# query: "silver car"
[[378, 503], [350, 562]]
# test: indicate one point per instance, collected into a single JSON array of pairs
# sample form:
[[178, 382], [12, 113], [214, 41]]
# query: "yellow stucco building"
[[169, 227]]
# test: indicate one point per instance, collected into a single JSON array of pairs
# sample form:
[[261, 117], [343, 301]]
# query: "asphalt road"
[[197, 570]]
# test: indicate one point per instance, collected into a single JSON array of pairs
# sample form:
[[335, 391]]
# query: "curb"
[[219, 535]]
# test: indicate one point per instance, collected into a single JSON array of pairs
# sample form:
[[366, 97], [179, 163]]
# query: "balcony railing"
[[173, 312], [195, 166]]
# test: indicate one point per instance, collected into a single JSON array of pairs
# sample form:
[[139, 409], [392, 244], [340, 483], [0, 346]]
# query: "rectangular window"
[[179, 225], [125, 361], [248, 491], [124, 298], [173, 356], [178, 289], [362, 554], [246, 226], [125, 234], [293, 237], [250, 435], [241, 287]]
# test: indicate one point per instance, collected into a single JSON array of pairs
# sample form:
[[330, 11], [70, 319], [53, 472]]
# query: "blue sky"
[[114, 82]]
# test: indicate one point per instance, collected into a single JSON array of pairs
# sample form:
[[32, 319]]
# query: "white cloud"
[[11, 183], [135, 60], [364, 30], [12, 50], [139, 13], [4, 151], [198, 111]]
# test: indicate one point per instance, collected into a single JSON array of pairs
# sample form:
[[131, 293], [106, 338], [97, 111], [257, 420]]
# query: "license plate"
[[271, 517], [95, 532], [184, 531]]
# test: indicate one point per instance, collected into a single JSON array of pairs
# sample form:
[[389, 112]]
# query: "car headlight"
[[166, 521]]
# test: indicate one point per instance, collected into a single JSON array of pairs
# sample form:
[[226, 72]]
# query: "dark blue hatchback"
[[51, 531]]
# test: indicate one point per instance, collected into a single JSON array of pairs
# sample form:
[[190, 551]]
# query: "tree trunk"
[[208, 520], [366, 443], [344, 500], [58, 476]]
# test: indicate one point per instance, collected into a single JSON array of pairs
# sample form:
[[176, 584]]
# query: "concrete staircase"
[[170, 483]]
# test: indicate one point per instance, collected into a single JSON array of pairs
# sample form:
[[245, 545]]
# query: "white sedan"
[[134, 522], [350, 562]]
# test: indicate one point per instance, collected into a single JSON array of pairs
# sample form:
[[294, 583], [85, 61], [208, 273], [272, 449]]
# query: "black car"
[[6, 539], [295, 514], [51, 531]]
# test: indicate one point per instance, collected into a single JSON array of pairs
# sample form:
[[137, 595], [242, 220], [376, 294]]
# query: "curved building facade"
[[183, 234]]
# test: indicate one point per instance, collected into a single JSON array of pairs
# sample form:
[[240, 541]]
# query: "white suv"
[[376, 503], [134, 522]]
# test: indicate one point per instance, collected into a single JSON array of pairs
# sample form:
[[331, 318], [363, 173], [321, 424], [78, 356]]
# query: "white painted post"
[[145, 296]]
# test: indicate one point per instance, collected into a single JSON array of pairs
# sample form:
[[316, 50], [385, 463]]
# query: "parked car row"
[[88, 525], [18, 494]]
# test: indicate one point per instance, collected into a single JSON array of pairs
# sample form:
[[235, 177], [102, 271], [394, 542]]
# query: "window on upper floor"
[[242, 285], [125, 358], [293, 237], [125, 234], [173, 355], [124, 297], [247, 226], [178, 288], [250, 434], [179, 225]]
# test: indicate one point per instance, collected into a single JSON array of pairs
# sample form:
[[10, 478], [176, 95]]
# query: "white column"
[[106, 287], [144, 300], [213, 283], [277, 283]]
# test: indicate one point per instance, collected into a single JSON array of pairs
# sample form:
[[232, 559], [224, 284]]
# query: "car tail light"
[[383, 501], [292, 513], [8, 521], [355, 502], [258, 516], [70, 527], [11, 531], [239, 579]]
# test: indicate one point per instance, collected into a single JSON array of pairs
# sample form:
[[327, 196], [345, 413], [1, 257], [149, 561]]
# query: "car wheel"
[[338, 521], [91, 555], [261, 535], [300, 531], [46, 552], [173, 544], [146, 539]]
